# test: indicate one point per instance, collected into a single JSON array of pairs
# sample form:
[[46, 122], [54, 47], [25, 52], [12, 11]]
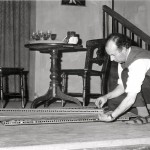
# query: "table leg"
[[47, 99], [62, 96], [42, 99], [65, 97], [54, 93]]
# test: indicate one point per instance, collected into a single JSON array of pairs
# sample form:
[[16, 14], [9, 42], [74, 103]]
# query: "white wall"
[[136, 11], [86, 21]]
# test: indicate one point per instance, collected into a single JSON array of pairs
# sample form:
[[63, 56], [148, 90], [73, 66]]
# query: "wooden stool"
[[5, 72]]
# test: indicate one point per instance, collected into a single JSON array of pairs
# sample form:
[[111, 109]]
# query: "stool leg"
[[1, 86], [22, 90], [64, 86], [84, 88], [26, 92], [86, 82]]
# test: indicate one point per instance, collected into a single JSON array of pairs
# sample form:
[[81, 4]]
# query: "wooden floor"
[[77, 136]]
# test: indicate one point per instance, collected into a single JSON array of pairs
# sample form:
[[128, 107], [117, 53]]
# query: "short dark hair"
[[120, 40]]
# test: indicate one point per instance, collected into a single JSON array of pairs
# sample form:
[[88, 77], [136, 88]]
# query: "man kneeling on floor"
[[133, 90]]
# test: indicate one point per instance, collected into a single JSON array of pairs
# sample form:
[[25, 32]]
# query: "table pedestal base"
[[48, 98], [54, 93]]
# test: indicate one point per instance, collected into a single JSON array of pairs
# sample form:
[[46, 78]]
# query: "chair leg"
[[22, 90], [64, 85], [1, 92], [102, 85], [26, 91], [84, 88], [84, 91]]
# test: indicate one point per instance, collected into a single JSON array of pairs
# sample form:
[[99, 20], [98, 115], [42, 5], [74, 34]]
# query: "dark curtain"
[[15, 29]]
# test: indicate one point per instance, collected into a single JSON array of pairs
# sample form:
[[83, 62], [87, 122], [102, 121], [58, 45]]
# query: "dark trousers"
[[142, 98]]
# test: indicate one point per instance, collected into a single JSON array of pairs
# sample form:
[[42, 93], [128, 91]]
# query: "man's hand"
[[105, 117], [101, 101]]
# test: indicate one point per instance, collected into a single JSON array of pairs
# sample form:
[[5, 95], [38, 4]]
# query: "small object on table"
[[66, 39], [53, 36], [73, 38], [46, 35]]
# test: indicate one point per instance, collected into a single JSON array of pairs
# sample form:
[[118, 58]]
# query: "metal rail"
[[52, 116], [56, 110]]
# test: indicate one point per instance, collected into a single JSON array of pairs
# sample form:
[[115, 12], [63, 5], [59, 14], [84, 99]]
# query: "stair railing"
[[115, 23]]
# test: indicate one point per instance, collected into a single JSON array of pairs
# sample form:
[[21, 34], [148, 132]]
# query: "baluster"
[[122, 29], [104, 22], [139, 41], [116, 26], [130, 34], [146, 46], [107, 23], [113, 25]]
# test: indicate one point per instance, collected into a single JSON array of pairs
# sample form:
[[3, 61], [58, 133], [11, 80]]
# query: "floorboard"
[[77, 136]]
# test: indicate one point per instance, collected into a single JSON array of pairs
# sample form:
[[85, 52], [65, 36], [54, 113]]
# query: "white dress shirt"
[[136, 75]]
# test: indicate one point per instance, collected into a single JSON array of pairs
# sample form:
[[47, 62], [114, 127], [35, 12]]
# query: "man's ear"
[[124, 50]]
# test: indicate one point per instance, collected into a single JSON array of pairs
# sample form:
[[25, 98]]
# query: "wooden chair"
[[5, 94], [102, 59]]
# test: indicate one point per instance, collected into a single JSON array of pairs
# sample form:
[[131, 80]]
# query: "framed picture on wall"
[[73, 2]]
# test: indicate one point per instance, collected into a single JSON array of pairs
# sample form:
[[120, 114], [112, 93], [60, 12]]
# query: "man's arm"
[[137, 71], [116, 92], [125, 105]]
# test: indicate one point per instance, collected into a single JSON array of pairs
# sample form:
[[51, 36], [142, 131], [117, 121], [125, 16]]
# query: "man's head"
[[117, 46]]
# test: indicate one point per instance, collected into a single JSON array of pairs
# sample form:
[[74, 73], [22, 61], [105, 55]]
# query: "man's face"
[[114, 53]]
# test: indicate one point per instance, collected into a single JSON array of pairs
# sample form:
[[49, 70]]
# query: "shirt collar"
[[129, 49]]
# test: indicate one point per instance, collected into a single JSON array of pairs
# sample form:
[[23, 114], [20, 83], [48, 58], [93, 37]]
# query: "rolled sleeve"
[[119, 74], [136, 75]]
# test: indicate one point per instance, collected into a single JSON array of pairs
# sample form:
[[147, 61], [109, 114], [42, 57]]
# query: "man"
[[133, 89]]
